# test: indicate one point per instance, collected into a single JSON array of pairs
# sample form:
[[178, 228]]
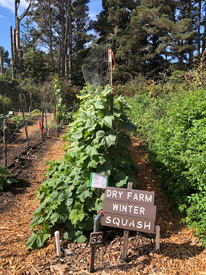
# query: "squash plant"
[[98, 143], [4, 180]]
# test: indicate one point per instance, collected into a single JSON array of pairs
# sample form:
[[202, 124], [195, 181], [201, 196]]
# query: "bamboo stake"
[[157, 237], [15, 53], [58, 249], [46, 119]]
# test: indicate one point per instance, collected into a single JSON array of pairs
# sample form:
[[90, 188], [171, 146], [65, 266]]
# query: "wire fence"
[[22, 140], [95, 69], [29, 119], [18, 141]]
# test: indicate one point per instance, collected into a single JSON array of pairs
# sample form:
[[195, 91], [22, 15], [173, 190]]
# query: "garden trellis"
[[26, 123], [97, 69]]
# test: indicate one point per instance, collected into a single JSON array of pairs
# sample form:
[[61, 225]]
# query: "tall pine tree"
[[148, 35], [62, 26]]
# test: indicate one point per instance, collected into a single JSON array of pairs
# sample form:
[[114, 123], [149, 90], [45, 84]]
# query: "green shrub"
[[63, 114], [175, 128], [98, 144], [4, 181]]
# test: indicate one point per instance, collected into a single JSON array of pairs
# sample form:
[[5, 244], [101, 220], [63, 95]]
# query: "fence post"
[[22, 106], [4, 130]]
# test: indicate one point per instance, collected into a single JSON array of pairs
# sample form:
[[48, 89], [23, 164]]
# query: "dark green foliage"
[[101, 25], [4, 180], [148, 36], [34, 65], [6, 60], [81, 25], [10, 88], [62, 27], [63, 114], [174, 126], [97, 145]]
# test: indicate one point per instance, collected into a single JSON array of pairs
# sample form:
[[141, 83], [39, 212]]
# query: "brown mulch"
[[17, 142], [180, 250]]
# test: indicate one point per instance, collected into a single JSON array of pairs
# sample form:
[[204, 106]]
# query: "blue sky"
[[7, 17]]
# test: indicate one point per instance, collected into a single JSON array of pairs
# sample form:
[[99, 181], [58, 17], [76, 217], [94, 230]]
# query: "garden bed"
[[180, 253]]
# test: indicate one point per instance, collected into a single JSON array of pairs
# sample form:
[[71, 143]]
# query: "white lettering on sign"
[[114, 193], [148, 199], [125, 208], [140, 197], [108, 219], [129, 194], [123, 222]]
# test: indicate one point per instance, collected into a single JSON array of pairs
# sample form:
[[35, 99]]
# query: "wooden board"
[[128, 222], [131, 209], [134, 196]]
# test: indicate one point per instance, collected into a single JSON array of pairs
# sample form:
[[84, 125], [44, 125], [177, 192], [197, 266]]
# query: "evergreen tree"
[[148, 36], [120, 13], [187, 10], [204, 26], [63, 27], [102, 25], [34, 65], [5, 59], [166, 35], [81, 25]]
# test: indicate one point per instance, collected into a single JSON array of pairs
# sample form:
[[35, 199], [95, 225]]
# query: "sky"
[[7, 17]]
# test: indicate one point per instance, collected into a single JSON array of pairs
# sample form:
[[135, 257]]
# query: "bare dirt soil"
[[180, 250]]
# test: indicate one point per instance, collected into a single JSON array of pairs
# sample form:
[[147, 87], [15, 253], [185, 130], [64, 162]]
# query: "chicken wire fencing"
[[24, 128], [96, 69], [21, 137]]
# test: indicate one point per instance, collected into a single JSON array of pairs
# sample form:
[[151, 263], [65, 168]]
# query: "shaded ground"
[[180, 253]]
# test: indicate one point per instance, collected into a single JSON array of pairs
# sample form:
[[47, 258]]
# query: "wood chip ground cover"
[[180, 253]]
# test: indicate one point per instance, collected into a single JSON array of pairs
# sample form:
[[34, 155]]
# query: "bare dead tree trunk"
[[12, 53], [15, 53], [18, 52], [17, 35]]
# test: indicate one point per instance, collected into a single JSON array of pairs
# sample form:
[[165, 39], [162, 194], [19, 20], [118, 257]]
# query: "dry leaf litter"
[[180, 250]]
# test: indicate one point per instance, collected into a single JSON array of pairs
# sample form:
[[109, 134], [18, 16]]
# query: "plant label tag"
[[11, 112], [98, 181], [95, 238]]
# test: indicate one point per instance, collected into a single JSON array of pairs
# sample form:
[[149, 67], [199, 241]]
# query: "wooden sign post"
[[130, 210], [95, 238], [126, 234]]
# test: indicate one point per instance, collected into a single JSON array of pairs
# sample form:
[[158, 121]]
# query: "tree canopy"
[[150, 36]]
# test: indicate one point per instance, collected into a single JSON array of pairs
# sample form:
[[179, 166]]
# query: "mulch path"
[[180, 250]]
